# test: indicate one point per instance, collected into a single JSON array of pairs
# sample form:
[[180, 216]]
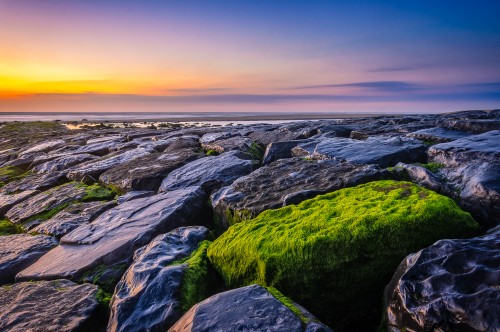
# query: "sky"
[[249, 56]]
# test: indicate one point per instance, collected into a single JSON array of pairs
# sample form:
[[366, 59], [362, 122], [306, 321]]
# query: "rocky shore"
[[385, 223]]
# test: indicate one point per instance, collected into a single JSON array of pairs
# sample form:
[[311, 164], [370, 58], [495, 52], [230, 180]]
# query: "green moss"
[[9, 228], [11, 173], [46, 215], [29, 126], [256, 151], [105, 276], [433, 167], [97, 192], [335, 253], [103, 297], [212, 153], [287, 303]]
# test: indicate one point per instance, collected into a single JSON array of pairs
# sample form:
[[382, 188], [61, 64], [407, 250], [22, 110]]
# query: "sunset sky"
[[269, 56]]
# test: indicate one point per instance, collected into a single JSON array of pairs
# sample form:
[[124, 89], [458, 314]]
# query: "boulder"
[[334, 253], [148, 295], [133, 195], [251, 308], [210, 172], [285, 182], [184, 142], [438, 135], [472, 169], [62, 163], [90, 171], [19, 251], [117, 233], [72, 217], [449, 286], [423, 177], [49, 306], [382, 151], [7, 201], [100, 148], [147, 173], [225, 141], [280, 150]]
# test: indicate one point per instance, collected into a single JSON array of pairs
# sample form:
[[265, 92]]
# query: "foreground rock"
[[284, 182], [279, 150], [117, 233], [472, 168], [423, 177], [148, 297], [35, 182], [347, 243], [250, 308], [438, 135], [7, 201], [449, 286], [225, 141], [210, 173], [62, 163], [382, 151], [19, 251], [57, 306], [146, 173]]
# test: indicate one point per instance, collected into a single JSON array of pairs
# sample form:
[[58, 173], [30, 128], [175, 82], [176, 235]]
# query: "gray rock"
[[423, 177], [210, 172], [382, 151], [48, 306], [438, 135], [474, 126], [44, 202], [7, 201], [147, 296], [147, 173], [283, 133], [19, 251], [280, 150], [25, 160], [284, 182], [7, 155], [90, 171], [472, 168], [225, 141], [72, 217], [100, 148], [117, 233], [250, 308], [63, 162], [134, 195], [184, 142], [35, 182], [43, 147], [449, 286]]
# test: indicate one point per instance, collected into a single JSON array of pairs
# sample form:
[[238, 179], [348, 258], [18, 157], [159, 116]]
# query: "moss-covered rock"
[[9, 228], [335, 253], [11, 173]]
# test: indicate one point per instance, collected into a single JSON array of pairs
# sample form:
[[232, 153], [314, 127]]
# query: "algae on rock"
[[335, 253]]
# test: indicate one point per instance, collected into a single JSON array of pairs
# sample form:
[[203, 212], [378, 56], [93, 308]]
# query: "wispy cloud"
[[375, 85], [198, 90], [403, 67]]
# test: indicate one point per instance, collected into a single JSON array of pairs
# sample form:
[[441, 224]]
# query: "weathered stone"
[[133, 195], [358, 135], [25, 160], [100, 148], [147, 173], [383, 151], [19, 251], [423, 177], [7, 155], [90, 171], [225, 141], [474, 126], [284, 182], [72, 217], [49, 306], [449, 286], [44, 202], [280, 150], [250, 308], [35, 182], [7, 201], [63, 162], [117, 233], [43, 147], [210, 172], [147, 296], [184, 142], [472, 168], [438, 135]]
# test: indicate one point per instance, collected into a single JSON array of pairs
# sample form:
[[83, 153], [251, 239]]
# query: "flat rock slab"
[[7, 201], [438, 135], [449, 286], [134, 195], [250, 308], [147, 296], [57, 306], [147, 173], [72, 217], [382, 151], [117, 233], [279, 150], [472, 167], [62, 163], [101, 148], [210, 172], [90, 171], [285, 182], [44, 147], [225, 141], [476, 126], [43, 202], [21, 250], [35, 182]]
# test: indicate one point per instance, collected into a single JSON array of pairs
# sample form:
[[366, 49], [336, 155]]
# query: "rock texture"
[[225, 141], [250, 308], [279, 150], [19, 251], [472, 168], [48, 306], [438, 135], [374, 150], [423, 177], [284, 182], [210, 172], [63, 162], [35, 182], [117, 233], [7, 201], [147, 296], [449, 286]]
